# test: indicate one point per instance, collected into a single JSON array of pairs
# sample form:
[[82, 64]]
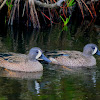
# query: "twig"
[[4, 2], [49, 13], [34, 15], [45, 5], [24, 9], [88, 8], [81, 8]]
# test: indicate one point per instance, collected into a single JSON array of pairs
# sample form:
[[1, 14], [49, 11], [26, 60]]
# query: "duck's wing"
[[13, 57], [74, 58], [69, 55], [65, 54], [72, 53], [55, 54]]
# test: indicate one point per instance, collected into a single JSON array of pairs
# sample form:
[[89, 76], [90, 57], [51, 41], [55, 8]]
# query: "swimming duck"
[[75, 58], [22, 62]]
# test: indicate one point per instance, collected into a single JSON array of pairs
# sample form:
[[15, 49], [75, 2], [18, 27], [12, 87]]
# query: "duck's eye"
[[93, 48], [36, 51]]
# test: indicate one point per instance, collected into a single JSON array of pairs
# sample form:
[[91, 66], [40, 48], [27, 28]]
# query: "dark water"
[[55, 82]]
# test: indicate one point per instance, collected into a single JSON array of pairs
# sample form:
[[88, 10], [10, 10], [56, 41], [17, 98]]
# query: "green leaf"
[[70, 3], [65, 28], [62, 18], [8, 3], [65, 21]]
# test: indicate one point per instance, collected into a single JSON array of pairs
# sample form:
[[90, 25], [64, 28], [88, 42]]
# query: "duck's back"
[[74, 58], [19, 62]]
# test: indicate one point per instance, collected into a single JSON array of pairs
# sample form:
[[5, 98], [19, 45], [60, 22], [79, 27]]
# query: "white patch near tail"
[[95, 50], [39, 54], [53, 60]]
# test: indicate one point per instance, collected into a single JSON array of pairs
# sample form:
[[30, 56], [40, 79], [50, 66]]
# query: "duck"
[[75, 58], [23, 62]]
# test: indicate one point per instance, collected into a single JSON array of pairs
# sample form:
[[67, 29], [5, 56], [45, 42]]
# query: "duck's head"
[[36, 53], [91, 49]]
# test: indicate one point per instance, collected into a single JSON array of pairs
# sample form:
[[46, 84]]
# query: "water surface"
[[55, 82]]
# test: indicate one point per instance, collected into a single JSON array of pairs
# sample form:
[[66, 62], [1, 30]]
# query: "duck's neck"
[[87, 55]]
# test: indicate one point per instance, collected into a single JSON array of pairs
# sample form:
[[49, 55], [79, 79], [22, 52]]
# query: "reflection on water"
[[20, 75], [21, 40], [55, 82]]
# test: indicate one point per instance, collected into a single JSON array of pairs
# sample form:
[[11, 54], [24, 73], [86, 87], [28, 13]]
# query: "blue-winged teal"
[[75, 58], [22, 62]]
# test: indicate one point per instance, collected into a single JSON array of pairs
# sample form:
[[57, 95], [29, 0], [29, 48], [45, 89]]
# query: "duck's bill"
[[98, 52], [45, 58]]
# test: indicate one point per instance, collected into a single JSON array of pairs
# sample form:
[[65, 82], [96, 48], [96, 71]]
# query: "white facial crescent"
[[39, 54], [95, 50]]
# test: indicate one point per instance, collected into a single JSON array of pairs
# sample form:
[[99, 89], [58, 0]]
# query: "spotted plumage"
[[75, 58], [22, 62]]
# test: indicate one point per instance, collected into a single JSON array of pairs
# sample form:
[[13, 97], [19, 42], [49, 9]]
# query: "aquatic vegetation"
[[39, 13], [65, 27], [9, 4], [70, 3], [65, 21]]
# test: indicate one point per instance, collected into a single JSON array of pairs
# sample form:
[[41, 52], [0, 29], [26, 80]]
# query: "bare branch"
[[45, 5], [1, 1], [3, 4]]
